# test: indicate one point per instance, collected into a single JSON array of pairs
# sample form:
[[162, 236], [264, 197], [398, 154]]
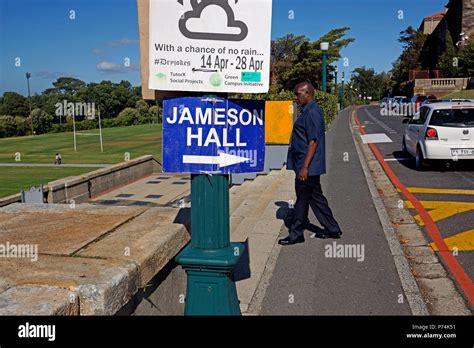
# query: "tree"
[[7, 126], [65, 85], [449, 61], [128, 116], [283, 54], [14, 104], [155, 113], [466, 61], [307, 62], [367, 82], [42, 122], [413, 42]]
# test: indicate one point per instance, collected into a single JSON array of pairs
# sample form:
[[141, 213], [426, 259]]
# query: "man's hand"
[[303, 174]]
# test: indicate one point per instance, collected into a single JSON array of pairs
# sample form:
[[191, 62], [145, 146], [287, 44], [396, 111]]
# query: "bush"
[[42, 121], [328, 103], [7, 126], [128, 117], [156, 113]]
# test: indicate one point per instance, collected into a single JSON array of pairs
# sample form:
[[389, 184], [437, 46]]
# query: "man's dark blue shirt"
[[308, 126]]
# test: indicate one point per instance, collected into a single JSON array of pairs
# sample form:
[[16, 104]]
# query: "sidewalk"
[[313, 278]]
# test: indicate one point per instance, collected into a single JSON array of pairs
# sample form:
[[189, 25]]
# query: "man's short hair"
[[306, 85]]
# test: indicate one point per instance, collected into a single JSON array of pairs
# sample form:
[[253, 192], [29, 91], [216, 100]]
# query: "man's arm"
[[312, 147]]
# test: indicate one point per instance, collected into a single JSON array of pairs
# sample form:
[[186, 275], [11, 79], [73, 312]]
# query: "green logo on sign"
[[250, 76]]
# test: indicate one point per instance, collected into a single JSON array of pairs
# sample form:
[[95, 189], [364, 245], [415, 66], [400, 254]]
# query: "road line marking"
[[462, 278], [463, 241], [397, 159], [440, 210], [375, 138], [380, 123], [439, 191]]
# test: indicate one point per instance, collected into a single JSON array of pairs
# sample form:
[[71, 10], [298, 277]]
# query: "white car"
[[440, 131]]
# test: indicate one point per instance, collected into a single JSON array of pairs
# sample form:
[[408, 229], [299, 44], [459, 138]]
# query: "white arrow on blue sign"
[[213, 135]]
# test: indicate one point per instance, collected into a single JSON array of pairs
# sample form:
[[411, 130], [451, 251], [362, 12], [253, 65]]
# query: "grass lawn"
[[15, 179], [135, 140], [467, 94]]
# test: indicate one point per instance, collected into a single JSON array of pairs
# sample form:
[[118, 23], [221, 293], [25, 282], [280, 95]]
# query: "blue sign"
[[213, 135]]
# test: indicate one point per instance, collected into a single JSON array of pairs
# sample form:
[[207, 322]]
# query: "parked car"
[[440, 131]]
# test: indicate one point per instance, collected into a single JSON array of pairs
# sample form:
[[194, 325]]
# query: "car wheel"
[[419, 159]]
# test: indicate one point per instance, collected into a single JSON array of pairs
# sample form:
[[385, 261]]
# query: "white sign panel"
[[210, 45]]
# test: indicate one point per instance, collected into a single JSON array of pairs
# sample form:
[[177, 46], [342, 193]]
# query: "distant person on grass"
[[307, 157], [57, 159]]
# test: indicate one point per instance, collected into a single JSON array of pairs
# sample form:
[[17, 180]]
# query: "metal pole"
[[100, 132], [74, 130], [324, 71], [28, 75], [335, 82], [210, 257]]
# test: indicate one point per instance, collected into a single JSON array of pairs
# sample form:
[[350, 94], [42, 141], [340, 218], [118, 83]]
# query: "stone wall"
[[439, 87], [82, 188]]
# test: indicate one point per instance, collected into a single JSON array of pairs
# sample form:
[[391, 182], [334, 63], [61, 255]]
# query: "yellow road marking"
[[441, 209], [439, 191], [463, 241]]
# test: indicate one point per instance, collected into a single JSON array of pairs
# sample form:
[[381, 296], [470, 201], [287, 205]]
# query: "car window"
[[424, 111], [453, 117]]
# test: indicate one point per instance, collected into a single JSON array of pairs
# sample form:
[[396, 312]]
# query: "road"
[[306, 281], [446, 193]]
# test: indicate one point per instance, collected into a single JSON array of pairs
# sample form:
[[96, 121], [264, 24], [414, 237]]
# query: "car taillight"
[[431, 134]]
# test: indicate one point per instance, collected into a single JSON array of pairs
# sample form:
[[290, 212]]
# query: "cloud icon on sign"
[[195, 14]]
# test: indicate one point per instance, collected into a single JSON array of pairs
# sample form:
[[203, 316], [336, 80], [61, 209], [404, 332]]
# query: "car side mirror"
[[416, 116]]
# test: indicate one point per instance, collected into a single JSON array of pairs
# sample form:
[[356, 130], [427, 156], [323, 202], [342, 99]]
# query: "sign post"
[[211, 47]]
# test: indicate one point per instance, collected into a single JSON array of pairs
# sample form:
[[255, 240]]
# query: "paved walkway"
[[313, 278]]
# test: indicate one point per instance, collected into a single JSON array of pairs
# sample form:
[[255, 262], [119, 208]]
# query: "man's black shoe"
[[289, 241], [325, 235]]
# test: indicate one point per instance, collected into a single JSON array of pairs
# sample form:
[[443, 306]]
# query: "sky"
[[91, 39]]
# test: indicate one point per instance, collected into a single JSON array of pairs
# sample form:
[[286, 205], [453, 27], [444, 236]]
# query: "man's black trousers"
[[309, 193]]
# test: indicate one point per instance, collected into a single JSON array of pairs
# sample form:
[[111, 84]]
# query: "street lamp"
[[335, 80], [342, 92], [324, 48]]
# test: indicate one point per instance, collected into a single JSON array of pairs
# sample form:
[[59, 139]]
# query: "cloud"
[[226, 33], [50, 75], [101, 50], [98, 51], [113, 68], [125, 41]]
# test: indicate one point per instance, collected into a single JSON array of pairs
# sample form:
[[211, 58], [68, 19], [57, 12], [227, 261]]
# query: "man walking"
[[307, 157]]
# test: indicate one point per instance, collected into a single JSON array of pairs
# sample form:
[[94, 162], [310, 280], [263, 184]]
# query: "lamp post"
[[342, 92], [350, 95], [324, 48], [335, 80]]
